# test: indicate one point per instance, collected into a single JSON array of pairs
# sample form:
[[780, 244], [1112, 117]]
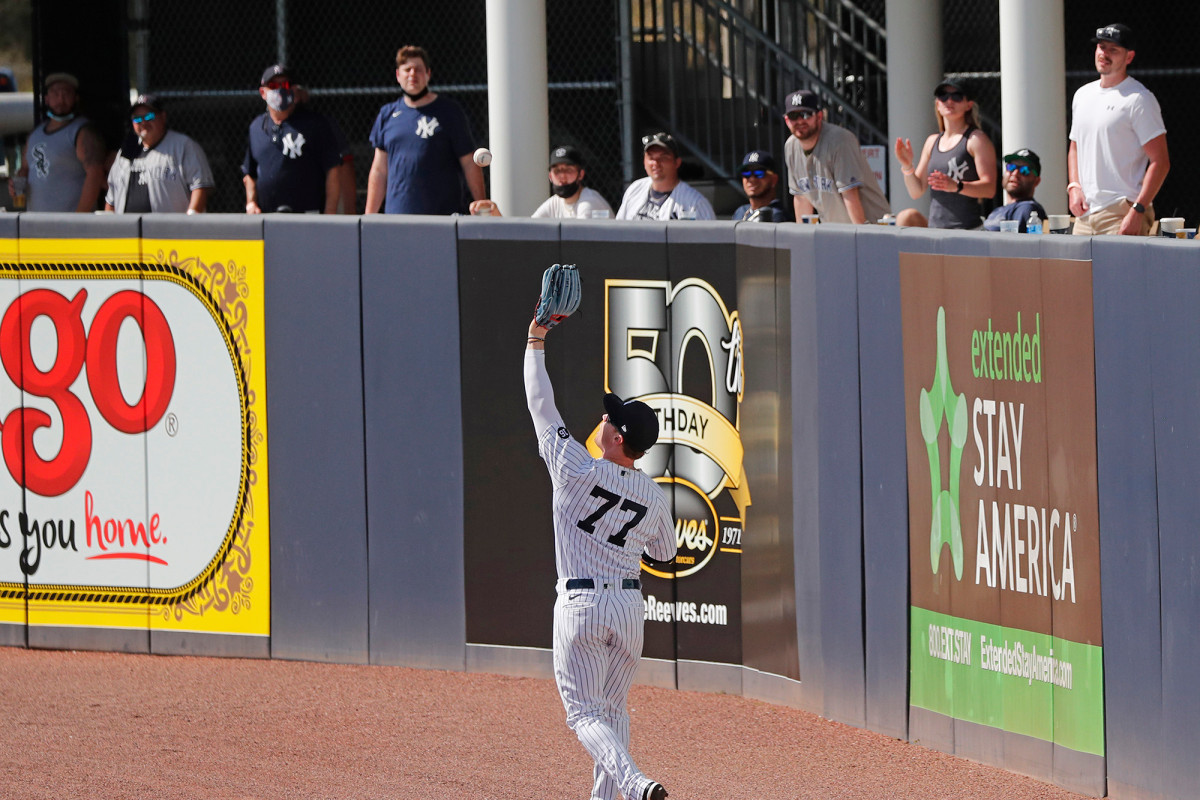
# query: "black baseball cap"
[[949, 85], [566, 154], [1118, 34], [1026, 155], [636, 421], [150, 101], [275, 71], [759, 159], [801, 98], [660, 139]]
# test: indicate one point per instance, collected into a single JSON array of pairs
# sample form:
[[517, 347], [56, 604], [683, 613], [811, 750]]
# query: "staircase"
[[715, 72]]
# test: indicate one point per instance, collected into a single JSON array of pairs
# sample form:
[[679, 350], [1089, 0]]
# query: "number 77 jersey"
[[605, 515]]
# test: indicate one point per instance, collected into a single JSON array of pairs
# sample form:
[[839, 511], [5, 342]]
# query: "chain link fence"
[[205, 60]]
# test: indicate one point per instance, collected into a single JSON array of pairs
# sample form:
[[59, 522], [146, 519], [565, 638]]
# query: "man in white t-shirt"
[[661, 195], [1117, 159], [571, 199]]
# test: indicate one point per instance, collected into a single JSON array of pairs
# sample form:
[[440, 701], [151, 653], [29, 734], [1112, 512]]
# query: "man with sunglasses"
[[157, 169], [1117, 160], [292, 153], [827, 171], [661, 195], [1023, 170], [760, 177]]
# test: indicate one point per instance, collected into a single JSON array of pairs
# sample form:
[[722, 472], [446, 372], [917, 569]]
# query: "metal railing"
[[715, 72]]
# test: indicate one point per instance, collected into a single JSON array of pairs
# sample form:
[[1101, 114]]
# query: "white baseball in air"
[[483, 156]]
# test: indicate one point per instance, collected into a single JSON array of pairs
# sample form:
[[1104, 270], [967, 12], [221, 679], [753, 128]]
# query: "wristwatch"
[[959, 186], [1138, 207]]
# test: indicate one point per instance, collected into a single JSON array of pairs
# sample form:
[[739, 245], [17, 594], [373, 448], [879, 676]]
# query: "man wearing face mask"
[[571, 198], [157, 169], [64, 156], [292, 155]]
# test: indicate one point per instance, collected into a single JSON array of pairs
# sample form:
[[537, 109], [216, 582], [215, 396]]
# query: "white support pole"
[[1033, 91], [914, 60], [518, 105]]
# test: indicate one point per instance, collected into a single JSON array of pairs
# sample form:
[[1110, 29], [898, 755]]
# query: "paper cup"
[[1059, 223], [1010, 226], [810, 219], [1168, 225]]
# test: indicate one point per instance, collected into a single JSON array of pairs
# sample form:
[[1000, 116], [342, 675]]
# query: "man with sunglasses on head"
[[760, 177], [661, 195], [292, 153], [1117, 160], [1022, 174], [827, 171], [157, 169]]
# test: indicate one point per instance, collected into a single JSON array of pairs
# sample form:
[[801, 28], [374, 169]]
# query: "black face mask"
[[567, 190], [417, 96]]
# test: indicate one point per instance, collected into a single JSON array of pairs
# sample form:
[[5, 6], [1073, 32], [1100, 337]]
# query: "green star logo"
[[939, 403]]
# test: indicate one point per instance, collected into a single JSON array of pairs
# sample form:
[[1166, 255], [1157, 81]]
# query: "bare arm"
[[474, 176], [801, 206], [89, 149], [854, 206], [1156, 173], [984, 152], [251, 195], [199, 200], [915, 181], [1075, 199], [377, 182], [333, 189], [348, 190]]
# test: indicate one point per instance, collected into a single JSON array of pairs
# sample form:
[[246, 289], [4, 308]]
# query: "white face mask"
[[280, 99]]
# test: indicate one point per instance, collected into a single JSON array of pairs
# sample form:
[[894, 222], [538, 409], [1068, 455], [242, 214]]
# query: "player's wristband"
[[1073, 185], [535, 339]]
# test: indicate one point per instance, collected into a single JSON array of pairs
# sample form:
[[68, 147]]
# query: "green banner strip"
[[1027, 683]]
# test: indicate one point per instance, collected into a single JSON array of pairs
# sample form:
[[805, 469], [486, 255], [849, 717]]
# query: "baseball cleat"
[[655, 791]]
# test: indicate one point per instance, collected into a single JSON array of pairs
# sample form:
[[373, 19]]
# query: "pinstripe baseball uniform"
[[605, 516]]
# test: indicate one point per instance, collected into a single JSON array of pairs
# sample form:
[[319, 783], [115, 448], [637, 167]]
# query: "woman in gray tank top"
[[957, 165]]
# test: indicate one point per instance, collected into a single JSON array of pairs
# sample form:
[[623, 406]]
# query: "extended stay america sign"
[[999, 387]]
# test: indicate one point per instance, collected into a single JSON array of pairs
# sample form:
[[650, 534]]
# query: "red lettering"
[[112, 532], [98, 348], [90, 519]]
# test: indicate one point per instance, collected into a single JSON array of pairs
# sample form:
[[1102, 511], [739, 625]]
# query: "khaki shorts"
[[1108, 220]]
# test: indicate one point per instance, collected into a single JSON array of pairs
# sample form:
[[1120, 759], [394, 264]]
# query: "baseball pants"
[[598, 635]]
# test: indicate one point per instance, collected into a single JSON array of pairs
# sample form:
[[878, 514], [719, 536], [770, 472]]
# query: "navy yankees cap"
[[566, 154], [1118, 34], [801, 98], [759, 159], [636, 421], [150, 101], [274, 71]]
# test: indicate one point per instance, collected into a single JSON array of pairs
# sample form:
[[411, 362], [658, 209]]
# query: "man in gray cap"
[[64, 156], [1117, 160], [827, 171]]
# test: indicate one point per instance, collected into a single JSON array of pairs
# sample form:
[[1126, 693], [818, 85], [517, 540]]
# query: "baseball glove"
[[561, 293]]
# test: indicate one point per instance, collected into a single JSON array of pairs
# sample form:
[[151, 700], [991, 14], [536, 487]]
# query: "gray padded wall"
[[826, 476], [315, 424], [1174, 295], [884, 480], [414, 453], [1129, 545]]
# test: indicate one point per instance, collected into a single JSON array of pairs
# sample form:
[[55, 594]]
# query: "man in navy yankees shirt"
[[423, 148], [292, 155], [607, 512]]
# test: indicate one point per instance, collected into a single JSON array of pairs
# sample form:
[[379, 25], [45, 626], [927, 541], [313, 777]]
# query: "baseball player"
[[606, 513]]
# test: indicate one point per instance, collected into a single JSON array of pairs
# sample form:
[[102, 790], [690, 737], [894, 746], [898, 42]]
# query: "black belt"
[[588, 583]]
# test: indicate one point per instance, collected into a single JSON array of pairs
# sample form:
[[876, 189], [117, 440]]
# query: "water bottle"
[[1035, 223]]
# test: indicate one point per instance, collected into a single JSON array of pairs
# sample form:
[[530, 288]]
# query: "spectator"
[[423, 148], [157, 169], [66, 152], [348, 203], [571, 198], [760, 178], [957, 165], [661, 195], [1023, 173], [827, 171], [292, 154], [1117, 160]]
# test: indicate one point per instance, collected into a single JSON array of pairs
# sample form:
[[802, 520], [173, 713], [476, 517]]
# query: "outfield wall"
[[347, 398]]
